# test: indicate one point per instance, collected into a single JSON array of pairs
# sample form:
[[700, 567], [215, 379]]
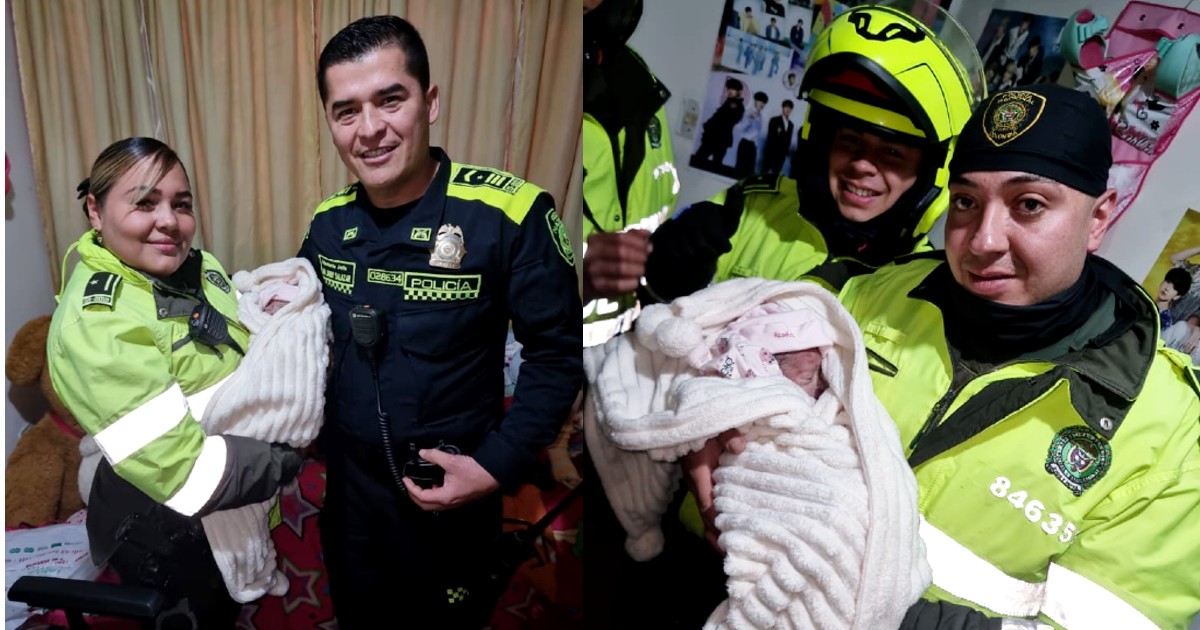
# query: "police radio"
[[208, 326], [368, 329]]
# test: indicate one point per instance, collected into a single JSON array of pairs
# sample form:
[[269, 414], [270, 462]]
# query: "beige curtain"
[[231, 85]]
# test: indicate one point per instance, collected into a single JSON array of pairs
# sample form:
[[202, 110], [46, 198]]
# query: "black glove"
[[686, 249], [290, 461], [254, 472], [927, 615]]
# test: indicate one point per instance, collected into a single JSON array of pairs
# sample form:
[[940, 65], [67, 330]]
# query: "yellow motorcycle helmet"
[[905, 70]]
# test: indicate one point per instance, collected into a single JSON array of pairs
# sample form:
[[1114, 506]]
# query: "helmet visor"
[[953, 36]]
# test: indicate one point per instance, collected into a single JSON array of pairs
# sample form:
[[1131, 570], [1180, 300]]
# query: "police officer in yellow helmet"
[[886, 96]]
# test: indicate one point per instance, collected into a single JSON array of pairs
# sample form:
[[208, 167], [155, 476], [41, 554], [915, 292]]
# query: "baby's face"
[[803, 367]]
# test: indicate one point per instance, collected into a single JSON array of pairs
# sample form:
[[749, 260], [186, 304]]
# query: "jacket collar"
[[421, 226], [1107, 375]]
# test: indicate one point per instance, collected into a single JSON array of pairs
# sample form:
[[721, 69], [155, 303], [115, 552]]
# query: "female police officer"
[[128, 359]]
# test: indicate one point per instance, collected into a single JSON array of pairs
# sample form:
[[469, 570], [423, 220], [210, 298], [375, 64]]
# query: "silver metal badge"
[[449, 248]]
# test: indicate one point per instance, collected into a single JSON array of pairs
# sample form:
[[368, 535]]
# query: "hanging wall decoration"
[[1145, 71]]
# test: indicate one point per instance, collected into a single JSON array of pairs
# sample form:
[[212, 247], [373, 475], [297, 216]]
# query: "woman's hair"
[[118, 158]]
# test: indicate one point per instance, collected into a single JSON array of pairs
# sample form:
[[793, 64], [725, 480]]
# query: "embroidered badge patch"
[[216, 278], [478, 176], [562, 240], [1011, 114], [432, 287], [101, 289], [350, 234], [337, 274], [1078, 458], [654, 132], [420, 233]]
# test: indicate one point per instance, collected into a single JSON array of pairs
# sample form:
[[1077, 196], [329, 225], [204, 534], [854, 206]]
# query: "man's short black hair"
[[788, 104], [366, 35], [761, 96], [1180, 279]]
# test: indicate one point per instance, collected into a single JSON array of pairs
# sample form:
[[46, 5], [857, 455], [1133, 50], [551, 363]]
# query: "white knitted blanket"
[[277, 394], [818, 516]]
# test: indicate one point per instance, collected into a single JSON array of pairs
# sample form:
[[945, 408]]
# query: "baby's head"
[[769, 340], [803, 367]]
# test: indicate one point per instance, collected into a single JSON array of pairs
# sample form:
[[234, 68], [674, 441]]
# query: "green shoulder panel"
[[101, 288], [510, 194], [337, 199]]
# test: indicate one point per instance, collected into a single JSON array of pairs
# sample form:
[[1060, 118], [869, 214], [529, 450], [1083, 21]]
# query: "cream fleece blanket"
[[277, 394], [818, 516]]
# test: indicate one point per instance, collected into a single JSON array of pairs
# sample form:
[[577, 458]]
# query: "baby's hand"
[[803, 367]]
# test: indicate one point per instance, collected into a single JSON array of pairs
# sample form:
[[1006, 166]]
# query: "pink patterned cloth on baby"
[[748, 346]]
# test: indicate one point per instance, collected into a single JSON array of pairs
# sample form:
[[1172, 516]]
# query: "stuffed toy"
[[41, 480]]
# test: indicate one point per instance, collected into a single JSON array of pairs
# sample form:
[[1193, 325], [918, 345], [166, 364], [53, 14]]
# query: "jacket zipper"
[[934, 417]]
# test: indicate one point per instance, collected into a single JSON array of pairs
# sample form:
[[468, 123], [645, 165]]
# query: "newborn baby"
[[276, 294], [818, 515]]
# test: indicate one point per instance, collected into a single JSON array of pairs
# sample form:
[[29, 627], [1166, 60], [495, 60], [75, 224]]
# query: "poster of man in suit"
[[752, 99]]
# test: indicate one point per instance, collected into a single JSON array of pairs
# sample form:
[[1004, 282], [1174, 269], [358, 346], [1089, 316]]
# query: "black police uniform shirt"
[[480, 248]]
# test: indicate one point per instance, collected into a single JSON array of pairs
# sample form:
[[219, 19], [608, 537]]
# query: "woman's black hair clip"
[[83, 187]]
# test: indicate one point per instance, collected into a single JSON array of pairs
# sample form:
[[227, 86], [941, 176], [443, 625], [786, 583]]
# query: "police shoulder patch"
[[766, 182], [558, 232], [1078, 457], [654, 132], [218, 279], [101, 289]]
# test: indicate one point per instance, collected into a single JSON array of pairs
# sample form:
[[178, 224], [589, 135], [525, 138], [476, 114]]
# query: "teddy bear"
[[42, 480]]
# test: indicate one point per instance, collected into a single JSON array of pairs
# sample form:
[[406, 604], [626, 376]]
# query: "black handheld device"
[[209, 327], [369, 328], [425, 473]]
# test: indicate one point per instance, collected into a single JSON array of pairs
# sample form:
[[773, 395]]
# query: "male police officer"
[[629, 177], [1055, 441], [425, 263]]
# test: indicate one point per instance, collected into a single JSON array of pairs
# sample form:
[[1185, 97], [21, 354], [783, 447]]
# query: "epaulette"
[[101, 289], [766, 182], [468, 175]]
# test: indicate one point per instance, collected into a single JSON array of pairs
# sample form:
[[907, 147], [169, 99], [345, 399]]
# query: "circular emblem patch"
[[1009, 116], [1078, 458]]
